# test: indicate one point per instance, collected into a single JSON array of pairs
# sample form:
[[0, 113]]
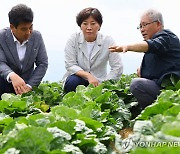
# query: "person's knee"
[[136, 85], [73, 81], [144, 90]]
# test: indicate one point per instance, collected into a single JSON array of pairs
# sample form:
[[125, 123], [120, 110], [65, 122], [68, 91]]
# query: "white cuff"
[[29, 86], [8, 77]]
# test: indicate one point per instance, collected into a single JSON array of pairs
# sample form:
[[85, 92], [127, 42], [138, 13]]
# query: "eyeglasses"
[[145, 24]]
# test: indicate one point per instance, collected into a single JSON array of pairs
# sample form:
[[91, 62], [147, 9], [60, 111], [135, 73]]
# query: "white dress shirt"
[[21, 49]]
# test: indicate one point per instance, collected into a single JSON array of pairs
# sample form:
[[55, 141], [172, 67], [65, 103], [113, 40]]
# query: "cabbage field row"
[[89, 121]]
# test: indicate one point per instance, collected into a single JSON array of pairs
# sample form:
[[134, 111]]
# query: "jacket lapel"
[[12, 48], [95, 51], [97, 46], [82, 45]]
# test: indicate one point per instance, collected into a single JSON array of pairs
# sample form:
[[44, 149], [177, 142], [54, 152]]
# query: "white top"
[[90, 46]]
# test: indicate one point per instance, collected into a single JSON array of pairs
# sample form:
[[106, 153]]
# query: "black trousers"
[[145, 91], [5, 87], [73, 81]]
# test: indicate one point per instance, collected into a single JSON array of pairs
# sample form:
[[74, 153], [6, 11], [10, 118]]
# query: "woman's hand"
[[92, 80], [88, 76]]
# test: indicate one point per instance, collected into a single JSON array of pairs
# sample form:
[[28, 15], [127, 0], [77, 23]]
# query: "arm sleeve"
[[159, 44], [71, 64]]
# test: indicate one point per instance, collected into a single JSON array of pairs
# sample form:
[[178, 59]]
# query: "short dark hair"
[[85, 13], [19, 14]]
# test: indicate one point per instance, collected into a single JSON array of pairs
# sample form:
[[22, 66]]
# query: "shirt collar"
[[15, 39]]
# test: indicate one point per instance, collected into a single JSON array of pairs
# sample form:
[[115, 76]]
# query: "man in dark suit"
[[23, 57]]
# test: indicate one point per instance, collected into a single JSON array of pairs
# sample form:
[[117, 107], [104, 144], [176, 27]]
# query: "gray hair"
[[155, 15]]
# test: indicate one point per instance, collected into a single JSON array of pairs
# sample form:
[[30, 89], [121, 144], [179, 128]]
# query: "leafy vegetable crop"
[[48, 121]]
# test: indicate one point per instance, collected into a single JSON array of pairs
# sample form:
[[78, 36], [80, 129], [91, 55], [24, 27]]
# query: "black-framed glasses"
[[145, 24]]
